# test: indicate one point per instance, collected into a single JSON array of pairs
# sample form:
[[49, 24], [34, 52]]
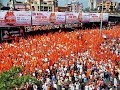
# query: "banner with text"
[[72, 17], [85, 17], [15, 18], [57, 18], [40, 18], [105, 17], [96, 17]]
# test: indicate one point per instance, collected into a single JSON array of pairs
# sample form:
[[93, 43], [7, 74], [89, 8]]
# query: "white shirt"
[[90, 87], [55, 85], [34, 87], [83, 76], [72, 87], [86, 87], [115, 82], [44, 86], [77, 86]]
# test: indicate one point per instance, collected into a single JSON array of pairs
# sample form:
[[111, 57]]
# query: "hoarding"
[[40, 18], [85, 17], [15, 18], [11, 33], [57, 18], [36, 18], [72, 17], [96, 17]]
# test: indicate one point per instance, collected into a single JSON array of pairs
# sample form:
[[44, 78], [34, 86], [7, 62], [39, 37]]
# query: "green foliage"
[[86, 9], [1, 5], [11, 79]]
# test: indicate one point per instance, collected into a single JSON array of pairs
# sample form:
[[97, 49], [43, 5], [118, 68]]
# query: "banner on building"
[[23, 18], [105, 17], [15, 18], [40, 18], [11, 33], [85, 17], [57, 18], [95, 17], [72, 17]]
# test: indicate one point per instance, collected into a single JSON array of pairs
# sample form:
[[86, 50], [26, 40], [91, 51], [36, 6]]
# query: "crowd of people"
[[76, 60]]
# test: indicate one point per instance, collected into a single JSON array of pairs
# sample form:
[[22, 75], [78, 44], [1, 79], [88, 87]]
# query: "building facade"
[[61, 9], [34, 5], [44, 5], [74, 6], [92, 4], [108, 6], [118, 7]]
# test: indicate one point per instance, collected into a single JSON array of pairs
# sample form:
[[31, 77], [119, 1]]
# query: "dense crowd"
[[77, 60]]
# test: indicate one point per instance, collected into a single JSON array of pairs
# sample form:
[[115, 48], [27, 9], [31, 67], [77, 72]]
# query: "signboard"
[[11, 33], [85, 17], [15, 18], [20, 7], [72, 17], [57, 18], [95, 17], [40, 18], [105, 17], [23, 18]]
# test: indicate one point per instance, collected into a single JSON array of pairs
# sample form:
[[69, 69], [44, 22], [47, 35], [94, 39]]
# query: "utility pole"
[[101, 17], [40, 5], [66, 14]]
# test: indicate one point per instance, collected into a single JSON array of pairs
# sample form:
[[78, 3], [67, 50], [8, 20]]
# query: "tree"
[[1, 5], [95, 9], [11, 79], [86, 9]]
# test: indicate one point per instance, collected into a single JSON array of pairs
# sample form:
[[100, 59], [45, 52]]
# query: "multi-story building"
[[34, 5], [118, 7], [74, 6], [92, 4], [4, 2], [61, 9], [44, 5], [17, 5], [108, 6]]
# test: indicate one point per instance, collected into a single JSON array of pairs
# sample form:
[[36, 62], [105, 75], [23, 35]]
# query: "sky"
[[61, 2]]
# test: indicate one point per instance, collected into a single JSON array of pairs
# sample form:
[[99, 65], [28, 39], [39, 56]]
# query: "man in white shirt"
[[44, 86]]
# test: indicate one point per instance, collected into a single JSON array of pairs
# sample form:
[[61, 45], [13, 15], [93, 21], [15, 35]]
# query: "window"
[[45, 8], [33, 8], [38, 8]]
